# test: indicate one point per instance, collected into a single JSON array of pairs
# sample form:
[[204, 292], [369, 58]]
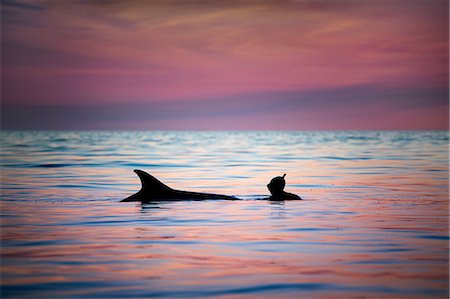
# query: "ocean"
[[373, 222]]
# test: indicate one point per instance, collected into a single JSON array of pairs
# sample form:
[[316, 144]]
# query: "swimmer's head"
[[276, 185]]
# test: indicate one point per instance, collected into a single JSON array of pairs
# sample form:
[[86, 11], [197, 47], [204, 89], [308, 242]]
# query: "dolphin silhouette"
[[152, 189]]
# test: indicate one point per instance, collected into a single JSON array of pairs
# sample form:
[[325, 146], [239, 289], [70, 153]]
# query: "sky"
[[224, 65]]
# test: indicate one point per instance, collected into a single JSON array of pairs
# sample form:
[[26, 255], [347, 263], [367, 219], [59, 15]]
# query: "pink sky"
[[242, 64]]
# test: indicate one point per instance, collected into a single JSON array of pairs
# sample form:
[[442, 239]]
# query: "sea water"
[[373, 222]]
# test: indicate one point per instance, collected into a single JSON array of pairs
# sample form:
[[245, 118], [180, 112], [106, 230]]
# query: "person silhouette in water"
[[276, 188]]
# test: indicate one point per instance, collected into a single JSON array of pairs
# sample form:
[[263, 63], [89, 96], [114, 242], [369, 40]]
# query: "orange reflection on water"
[[370, 225], [228, 243]]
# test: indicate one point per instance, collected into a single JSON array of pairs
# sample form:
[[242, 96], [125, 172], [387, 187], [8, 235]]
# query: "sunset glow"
[[225, 64]]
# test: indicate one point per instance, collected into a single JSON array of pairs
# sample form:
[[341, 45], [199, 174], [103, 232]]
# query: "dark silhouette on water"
[[154, 190], [276, 188]]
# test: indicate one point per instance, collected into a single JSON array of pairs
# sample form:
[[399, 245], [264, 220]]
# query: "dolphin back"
[[151, 188]]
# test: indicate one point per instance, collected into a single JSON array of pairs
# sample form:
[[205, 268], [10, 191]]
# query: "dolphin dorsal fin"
[[151, 185], [151, 188]]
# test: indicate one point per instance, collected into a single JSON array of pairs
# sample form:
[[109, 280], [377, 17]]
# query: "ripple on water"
[[373, 222]]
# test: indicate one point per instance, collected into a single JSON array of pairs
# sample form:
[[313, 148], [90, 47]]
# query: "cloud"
[[253, 59], [340, 108], [22, 5]]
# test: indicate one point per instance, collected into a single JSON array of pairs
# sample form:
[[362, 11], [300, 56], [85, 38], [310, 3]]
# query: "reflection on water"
[[373, 222]]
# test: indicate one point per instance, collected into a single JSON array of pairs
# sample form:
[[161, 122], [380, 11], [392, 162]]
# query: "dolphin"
[[154, 190]]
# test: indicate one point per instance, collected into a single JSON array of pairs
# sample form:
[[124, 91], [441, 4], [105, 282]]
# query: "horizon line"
[[223, 130]]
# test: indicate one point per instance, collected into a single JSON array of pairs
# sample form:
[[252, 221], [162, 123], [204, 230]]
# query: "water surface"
[[373, 222]]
